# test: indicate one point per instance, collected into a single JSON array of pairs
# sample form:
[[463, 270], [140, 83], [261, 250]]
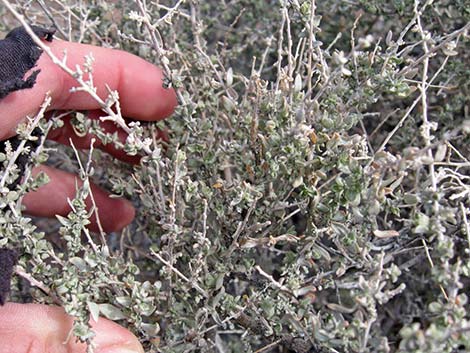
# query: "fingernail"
[[128, 213], [124, 214]]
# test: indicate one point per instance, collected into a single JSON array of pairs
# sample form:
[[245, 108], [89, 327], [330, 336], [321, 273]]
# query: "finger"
[[67, 134], [139, 83], [51, 199], [26, 328]]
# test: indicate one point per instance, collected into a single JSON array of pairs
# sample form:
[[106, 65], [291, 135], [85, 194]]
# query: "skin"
[[32, 328]]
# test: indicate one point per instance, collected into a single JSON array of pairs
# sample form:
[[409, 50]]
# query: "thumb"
[[26, 328]]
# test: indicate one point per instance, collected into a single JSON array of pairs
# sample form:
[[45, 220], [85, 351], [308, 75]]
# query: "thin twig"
[[34, 282], [179, 274]]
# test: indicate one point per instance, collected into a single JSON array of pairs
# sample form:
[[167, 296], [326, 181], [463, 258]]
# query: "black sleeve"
[[19, 54], [7, 262]]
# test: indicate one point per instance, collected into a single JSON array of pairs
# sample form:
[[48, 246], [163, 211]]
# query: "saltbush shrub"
[[313, 195]]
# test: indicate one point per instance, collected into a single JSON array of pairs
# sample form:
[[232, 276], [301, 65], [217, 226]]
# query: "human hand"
[[142, 97], [36, 328]]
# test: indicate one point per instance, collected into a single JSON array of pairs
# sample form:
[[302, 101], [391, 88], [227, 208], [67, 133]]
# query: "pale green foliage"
[[285, 209]]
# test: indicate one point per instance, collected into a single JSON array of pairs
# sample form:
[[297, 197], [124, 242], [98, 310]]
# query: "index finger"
[[138, 82]]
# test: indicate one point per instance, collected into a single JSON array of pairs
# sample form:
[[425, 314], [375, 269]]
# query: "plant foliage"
[[314, 192]]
